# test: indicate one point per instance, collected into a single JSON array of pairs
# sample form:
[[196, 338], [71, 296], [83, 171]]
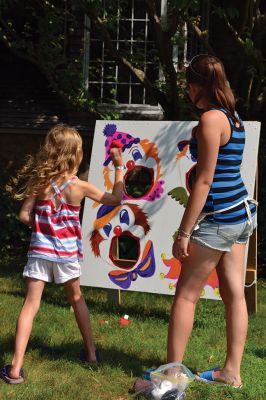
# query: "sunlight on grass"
[[53, 369]]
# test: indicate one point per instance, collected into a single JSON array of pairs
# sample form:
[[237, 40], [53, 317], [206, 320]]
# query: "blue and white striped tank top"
[[227, 188]]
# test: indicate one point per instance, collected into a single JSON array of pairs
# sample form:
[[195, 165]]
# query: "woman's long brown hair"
[[208, 72]]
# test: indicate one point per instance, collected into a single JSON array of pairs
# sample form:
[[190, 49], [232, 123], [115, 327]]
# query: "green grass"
[[53, 369]]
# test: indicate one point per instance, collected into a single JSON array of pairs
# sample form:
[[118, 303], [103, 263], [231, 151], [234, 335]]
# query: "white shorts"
[[49, 271]]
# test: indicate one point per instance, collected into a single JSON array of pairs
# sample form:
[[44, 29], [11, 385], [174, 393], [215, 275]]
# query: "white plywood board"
[[151, 220]]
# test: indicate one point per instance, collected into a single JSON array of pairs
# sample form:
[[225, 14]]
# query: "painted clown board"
[[129, 246]]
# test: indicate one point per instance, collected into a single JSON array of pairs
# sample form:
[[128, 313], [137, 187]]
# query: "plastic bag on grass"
[[168, 382]]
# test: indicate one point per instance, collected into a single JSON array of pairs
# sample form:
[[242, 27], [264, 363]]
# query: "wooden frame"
[[251, 272]]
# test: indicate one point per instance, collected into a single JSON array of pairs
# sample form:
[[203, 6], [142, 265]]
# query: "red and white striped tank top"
[[56, 234]]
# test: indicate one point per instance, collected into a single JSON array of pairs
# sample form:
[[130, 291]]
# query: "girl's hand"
[[180, 247], [116, 155]]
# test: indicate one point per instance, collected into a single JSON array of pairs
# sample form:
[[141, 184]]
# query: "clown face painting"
[[129, 246], [142, 178], [119, 238]]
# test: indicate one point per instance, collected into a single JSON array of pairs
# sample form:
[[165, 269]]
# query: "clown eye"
[[136, 154], [107, 229], [124, 217]]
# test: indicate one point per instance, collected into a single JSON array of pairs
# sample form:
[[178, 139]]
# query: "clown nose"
[[130, 165], [117, 230]]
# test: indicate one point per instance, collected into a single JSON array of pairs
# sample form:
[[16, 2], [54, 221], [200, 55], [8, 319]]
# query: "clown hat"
[[125, 139]]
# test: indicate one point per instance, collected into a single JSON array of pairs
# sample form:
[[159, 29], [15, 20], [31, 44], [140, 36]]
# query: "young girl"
[[220, 206], [52, 194]]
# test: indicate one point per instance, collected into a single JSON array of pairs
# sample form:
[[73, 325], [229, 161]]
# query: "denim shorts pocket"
[[254, 222], [230, 232]]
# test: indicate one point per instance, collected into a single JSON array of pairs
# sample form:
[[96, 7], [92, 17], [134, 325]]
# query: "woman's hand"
[[180, 247], [116, 155]]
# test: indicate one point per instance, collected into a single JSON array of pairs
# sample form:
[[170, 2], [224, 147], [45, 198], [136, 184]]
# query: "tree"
[[236, 32], [41, 33]]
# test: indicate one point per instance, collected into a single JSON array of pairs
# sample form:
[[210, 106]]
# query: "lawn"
[[53, 369]]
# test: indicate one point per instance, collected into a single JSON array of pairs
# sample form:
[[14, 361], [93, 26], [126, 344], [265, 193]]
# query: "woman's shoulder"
[[213, 115], [212, 124], [213, 119]]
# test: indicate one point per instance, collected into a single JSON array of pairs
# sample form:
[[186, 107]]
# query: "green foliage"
[[14, 236], [262, 210], [42, 33], [184, 4], [231, 12], [249, 45]]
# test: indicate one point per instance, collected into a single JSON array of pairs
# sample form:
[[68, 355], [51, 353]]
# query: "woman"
[[217, 221]]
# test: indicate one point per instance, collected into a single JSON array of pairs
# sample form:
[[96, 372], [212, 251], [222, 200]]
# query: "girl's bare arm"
[[26, 214], [100, 196]]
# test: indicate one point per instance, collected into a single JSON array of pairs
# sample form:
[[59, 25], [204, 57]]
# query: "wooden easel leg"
[[251, 275], [251, 291], [251, 272], [114, 295]]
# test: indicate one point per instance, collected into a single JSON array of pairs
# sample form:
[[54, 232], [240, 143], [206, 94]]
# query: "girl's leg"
[[24, 325], [81, 311], [194, 274], [231, 281]]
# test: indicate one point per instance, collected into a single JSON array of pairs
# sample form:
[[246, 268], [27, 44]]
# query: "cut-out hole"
[[138, 181], [190, 177], [124, 251]]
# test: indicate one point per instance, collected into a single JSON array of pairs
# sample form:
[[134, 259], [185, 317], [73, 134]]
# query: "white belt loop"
[[248, 199], [248, 212], [201, 217]]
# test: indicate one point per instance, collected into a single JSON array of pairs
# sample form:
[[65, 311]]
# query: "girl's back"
[[73, 192], [56, 231]]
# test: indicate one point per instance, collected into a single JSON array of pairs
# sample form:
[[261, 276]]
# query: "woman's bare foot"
[[226, 377]]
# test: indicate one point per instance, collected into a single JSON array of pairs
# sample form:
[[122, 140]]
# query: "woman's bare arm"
[[208, 140]]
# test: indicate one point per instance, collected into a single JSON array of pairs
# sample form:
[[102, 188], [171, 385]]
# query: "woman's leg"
[[194, 274], [24, 325], [81, 311], [231, 282]]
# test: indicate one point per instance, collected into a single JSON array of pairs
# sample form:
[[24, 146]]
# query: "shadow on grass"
[[260, 352], [130, 363], [12, 268], [152, 306]]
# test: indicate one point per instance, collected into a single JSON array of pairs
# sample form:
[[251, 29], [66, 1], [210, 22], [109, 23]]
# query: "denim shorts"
[[49, 271], [223, 236]]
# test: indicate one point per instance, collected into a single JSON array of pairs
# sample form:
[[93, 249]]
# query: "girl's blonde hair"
[[60, 155]]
